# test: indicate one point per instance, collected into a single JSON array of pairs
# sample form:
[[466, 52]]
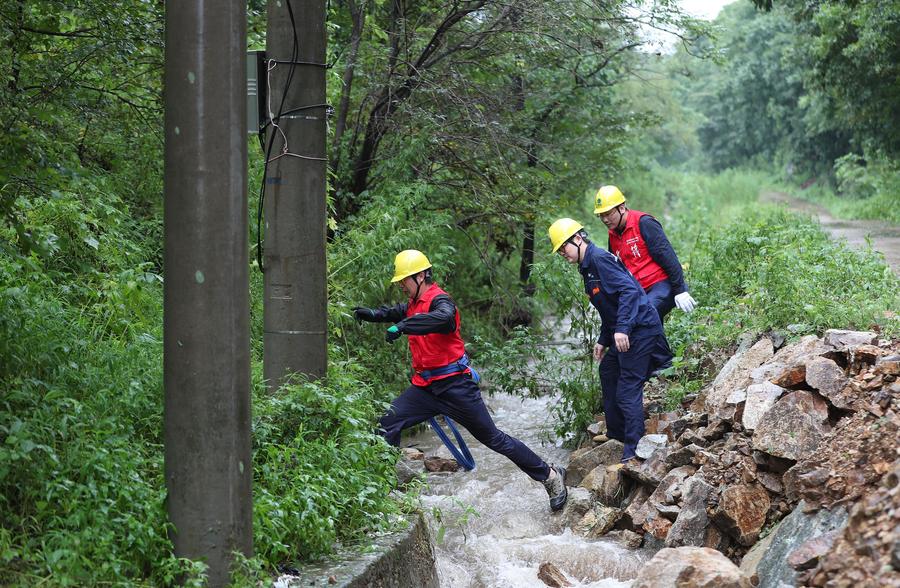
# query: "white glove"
[[685, 302]]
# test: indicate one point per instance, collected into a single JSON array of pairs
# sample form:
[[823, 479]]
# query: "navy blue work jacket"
[[623, 305]]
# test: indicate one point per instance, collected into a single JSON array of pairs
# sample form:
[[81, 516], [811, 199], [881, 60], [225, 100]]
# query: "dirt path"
[[885, 237]]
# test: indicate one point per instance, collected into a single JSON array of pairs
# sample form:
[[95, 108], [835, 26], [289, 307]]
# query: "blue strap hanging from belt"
[[462, 454]]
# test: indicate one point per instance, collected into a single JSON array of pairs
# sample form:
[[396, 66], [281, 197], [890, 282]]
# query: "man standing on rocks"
[[639, 241], [443, 381], [631, 344]]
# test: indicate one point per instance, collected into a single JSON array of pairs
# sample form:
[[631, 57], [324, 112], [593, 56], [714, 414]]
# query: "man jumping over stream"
[[443, 382]]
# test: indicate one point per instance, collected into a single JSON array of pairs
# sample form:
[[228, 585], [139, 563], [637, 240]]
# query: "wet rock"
[[649, 472], [690, 526], [736, 373], [751, 560], [793, 427], [669, 511], [626, 538], [578, 503], [842, 338], [612, 490], [690, 567], [807, 555], [408, 470], [412, 453], [790, 376], [593, 482], [742, 512], [597, 521], [760, 398], [638, 510], [658, 527], [551, 575], [889, 365], [669, 489], [828, 378], [434, 463], [650, 443], [682, 456], [865, 354], [770, 481], [584, 460], [797, 528]]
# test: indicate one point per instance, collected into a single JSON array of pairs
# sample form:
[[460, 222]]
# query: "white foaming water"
[[497, 524]]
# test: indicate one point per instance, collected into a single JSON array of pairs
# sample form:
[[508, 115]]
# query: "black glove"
[[392, 334], [363, 314]]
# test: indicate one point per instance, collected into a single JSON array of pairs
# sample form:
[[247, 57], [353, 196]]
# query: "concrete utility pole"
[[295, 311], [206, 296]]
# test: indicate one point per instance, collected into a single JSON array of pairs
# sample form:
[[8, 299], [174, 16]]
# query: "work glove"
[[392, 334], [361, 314], [685, 302]]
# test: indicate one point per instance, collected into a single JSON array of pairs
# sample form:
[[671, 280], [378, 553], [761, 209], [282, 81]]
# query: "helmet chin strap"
[[619, 223], [418, 287]]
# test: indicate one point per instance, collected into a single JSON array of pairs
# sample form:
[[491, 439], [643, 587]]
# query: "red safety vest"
[[632, 250], [433, 350]]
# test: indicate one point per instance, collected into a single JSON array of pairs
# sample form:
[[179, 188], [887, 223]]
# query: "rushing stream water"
[[497, 524]]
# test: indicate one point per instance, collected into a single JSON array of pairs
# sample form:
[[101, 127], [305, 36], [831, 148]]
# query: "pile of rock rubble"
[[788, 464]]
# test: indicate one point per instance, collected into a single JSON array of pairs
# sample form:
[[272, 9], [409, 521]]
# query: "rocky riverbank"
[[786, 465]]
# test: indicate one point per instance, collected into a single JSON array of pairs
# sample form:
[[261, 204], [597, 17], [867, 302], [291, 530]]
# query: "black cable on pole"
[[295, 53]]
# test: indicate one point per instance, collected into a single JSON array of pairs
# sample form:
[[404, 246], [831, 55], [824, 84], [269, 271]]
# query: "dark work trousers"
[[622, 377], [662, 298], [459, 398]]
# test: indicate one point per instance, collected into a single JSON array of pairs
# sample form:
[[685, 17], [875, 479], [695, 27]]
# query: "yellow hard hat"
[[607, 198], [561, 231], [408, 263]]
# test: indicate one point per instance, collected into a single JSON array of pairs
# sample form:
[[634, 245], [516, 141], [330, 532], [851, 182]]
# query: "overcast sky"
[[707, 9]]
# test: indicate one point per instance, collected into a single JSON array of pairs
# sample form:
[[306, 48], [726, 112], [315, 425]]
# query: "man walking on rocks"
[[631, 343], [639, 241], [443, 381]]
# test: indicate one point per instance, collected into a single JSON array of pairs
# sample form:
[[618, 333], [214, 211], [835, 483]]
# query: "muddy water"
[[884, 237], [497, 525]]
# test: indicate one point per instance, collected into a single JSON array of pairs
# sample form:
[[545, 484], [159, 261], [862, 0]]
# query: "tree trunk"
[[358, 16]]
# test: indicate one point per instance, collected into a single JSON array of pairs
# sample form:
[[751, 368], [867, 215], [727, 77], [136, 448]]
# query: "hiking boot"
[[556, 488]]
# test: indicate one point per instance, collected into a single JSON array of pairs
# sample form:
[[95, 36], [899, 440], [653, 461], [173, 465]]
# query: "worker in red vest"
[[639, 241], [443, 382]]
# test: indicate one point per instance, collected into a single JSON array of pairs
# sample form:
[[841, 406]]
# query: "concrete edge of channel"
[[404, 559]]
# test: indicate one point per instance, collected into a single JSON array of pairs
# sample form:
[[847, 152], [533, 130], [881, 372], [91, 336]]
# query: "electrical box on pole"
[[293, 256], [256, 91], [206, 295]]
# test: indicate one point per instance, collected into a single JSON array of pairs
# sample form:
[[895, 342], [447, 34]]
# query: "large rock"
[[670, 489], [651, 471], [796, 529], [593, 482], [578, 503], [650, 443], [742, 512], [760, 398], [690, 567], [841, 338], [794, 427], [828, 378], [551, 575], [585, 460], [612, 490], [597, 521], [690, 526], [736, 373]]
